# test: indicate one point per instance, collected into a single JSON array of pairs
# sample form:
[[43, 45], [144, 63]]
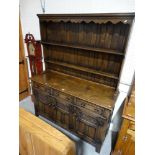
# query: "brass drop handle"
[[125, 138], [119, 152], [132, 134], [69, 99], [54, 105], [56, 93], [83, 104]]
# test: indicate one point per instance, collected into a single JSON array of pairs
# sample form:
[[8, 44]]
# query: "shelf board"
[[101, 50], [113, 76]]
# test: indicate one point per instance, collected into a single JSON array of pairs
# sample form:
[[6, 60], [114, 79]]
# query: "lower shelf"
[[113, 76]]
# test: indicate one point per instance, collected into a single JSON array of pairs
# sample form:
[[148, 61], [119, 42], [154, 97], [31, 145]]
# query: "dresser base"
[[73, 108]]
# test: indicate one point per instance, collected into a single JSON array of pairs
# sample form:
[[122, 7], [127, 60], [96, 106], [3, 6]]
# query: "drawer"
[[63, 96], [42, 88], [88, 117], [92, 121], [53, 102], [94, 108], [62, 105], [44, 98]]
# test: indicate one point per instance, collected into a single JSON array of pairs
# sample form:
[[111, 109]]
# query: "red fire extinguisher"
[[34, 54]]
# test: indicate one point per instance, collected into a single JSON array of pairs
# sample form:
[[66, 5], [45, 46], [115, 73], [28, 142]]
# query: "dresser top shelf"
[[86, 90], [99, 18]]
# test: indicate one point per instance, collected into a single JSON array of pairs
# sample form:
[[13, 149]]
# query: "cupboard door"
[[23, 73], [85, 130], [126, 142], [89, 126], [62, 118]]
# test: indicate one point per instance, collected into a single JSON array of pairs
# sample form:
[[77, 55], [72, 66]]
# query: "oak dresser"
[[83, 56]]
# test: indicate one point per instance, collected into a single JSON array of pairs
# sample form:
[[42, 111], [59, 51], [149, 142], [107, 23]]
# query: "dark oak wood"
[[126, 18], [83, 58], [83, 69], [84, 89], [102, 50]]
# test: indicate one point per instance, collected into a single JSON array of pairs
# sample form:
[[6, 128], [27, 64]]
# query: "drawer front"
[[86, 116], [54, 109], [66, 98], [53, 102], [61, 104], [89, 119], [44, 98], [63, 96], [94, 108], [42, 88]]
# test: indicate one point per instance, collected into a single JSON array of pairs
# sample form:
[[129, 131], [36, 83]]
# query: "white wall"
[[30, 23], [29, 9]]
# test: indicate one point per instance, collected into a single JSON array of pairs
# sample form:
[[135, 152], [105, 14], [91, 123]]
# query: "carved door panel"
[[41, 107], [85, 130], [86, 125], [50, 109], [45, 104], [62, 118], [62, 113], [35, 99]]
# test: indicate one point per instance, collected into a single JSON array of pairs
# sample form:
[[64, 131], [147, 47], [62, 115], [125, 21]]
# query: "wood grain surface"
[[38, 138], [83, 55], [86, 90]]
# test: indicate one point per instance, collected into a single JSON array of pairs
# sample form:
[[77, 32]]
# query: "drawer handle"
[[53, 105], [69, 99], [47, 90], [56, 93], [71, 109], [100, 121], [125, 138], [99, 111], [119, 152], [131, 133], [83, 104], [35, 85]]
